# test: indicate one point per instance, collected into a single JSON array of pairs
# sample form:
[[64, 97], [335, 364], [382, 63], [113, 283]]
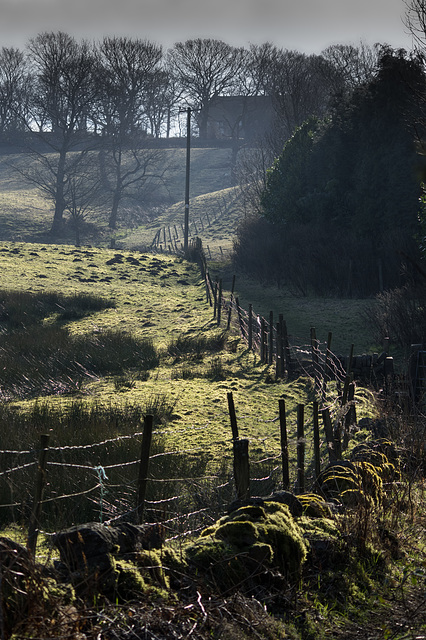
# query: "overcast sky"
[[304, 25]]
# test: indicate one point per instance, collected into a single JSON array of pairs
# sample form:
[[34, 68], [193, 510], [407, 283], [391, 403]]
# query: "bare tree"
[[350, 66], [205, 69], [160, 103], [128, 71], [14, 90], [84, 194], [415, 21], [298, 90], [62, 99]]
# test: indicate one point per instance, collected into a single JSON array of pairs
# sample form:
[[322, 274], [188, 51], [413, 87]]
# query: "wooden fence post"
[[279, 369], [219, 302], [271, 338], [232, 415], [300, 448], [284, 445], [280, 345], [215, 299], [240, 319], [326, 373], [143, 466], [350, 417], [389, 375], [328, 428], [344, 399], [317, 454], [230, 302], [241, 468], [208, 295], [288, 363], [262, 340], [350, 359], [34, 523], [315, 360], [250, 327]]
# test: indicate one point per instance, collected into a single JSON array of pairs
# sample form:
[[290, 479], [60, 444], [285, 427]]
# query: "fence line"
[[118, 490], [116, 496], [271, 341]]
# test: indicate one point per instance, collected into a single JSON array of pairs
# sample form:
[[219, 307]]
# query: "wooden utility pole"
[[188, 164]]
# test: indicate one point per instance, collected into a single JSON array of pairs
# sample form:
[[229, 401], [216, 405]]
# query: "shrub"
[[399, 314]]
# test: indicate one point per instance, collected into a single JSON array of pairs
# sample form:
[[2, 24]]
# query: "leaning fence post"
[[241, 468], [284, 445], [143, 466], [317, 456], [300, 448], [232, 415], [215, 299], [34, 523]]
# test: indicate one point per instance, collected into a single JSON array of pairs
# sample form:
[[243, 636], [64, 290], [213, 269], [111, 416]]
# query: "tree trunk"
[[114, 209], [58, 217]]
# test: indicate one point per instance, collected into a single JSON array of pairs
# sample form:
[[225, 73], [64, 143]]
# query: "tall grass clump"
[[19, 309], [48, 359], [196, 345]]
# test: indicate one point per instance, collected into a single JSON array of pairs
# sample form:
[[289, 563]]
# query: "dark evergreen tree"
[[357, 174]]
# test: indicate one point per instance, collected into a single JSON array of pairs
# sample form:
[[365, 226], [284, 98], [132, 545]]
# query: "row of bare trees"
[[84, 111]]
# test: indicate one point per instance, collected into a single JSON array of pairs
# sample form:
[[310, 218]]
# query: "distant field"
[[26, 216], [215, 212]]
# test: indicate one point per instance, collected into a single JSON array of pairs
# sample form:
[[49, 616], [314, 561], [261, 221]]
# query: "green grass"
[[148, 299], [59, 301], [343, 318]]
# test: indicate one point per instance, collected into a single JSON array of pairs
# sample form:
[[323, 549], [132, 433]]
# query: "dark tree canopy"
[[355, 178], [358, 170]]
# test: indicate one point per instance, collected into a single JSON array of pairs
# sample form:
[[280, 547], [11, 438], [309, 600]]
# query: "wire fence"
[[100, 481]]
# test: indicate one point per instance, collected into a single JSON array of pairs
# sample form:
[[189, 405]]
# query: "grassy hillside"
[[26, 216], [93, 339], [215, 212], [163, 299]]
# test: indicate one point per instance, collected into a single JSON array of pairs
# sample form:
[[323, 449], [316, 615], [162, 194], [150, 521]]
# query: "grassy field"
[[163, 299], [160, 297], [92, 339]]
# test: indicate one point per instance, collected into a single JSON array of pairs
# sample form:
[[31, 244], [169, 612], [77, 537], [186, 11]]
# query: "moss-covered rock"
[[314, 506], [247, 542], [130, 584], [352, 483], [151, 562], [381, 453]]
